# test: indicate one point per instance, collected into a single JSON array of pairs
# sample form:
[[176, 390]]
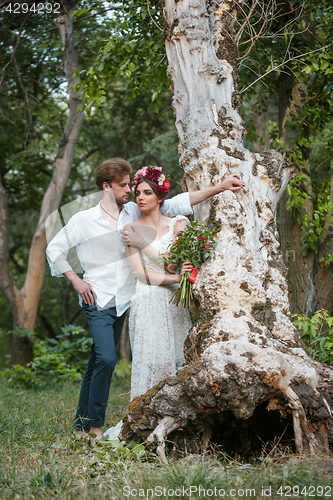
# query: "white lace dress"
[[157, 329]]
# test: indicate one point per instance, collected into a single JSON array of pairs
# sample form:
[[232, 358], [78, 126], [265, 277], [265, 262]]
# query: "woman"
[[157, 328]]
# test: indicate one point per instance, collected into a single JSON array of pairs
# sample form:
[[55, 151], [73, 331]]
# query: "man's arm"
[[82, 287], [58, 248], [57, 252], [231, 182]]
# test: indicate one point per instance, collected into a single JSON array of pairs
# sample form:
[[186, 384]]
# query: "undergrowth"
[[317, 334], [55, 359]]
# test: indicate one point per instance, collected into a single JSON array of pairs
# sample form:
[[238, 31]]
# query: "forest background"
[[285, 82], [116, 61]]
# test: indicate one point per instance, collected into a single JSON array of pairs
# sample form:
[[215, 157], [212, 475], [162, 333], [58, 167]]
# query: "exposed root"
[[159, 434], [300, 423], [328, 407]]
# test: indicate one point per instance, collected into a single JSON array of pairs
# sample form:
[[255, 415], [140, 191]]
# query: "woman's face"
[[145, 197]]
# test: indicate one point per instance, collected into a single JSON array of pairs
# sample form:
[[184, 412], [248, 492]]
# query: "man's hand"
[[231, 182], [133, 239], [82, 287]]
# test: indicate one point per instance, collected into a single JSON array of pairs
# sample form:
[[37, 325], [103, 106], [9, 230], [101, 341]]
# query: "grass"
[[40, 458]]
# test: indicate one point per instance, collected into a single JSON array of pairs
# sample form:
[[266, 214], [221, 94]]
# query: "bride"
[[157, 329]]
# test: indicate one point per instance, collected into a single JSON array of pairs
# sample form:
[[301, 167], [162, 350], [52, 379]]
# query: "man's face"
[[121, 189]]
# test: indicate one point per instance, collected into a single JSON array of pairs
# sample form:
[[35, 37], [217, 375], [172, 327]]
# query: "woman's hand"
[[186, 268]]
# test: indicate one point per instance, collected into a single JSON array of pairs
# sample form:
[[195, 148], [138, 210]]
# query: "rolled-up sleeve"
[[178, 205], [58, 248]]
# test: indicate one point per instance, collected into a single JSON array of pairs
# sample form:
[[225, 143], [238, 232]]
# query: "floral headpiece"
[[154, 174]]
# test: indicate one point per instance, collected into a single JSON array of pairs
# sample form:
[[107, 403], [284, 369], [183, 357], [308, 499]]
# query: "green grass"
[[40, 458]]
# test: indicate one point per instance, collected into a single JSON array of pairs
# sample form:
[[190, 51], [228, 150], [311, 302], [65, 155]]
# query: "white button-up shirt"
[[100, 252]]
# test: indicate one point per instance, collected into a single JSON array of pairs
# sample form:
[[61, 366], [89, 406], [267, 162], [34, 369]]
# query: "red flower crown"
[[154, 174]]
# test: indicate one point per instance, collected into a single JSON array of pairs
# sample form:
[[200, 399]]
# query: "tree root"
[[300, 424], [226, 387], [160, 433]]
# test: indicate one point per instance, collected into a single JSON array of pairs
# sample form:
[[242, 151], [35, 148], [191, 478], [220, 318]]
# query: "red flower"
[[200, 238], [155, 175]]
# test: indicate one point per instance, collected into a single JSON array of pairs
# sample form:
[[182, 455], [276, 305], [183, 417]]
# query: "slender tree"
[[246, 367], [24, 300]]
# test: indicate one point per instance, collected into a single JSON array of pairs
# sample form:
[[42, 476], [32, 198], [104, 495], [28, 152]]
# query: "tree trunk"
[[125, 346], [292, 97], [323, 276], [309, 275], [24, 302], [300, 267], [246, 370]]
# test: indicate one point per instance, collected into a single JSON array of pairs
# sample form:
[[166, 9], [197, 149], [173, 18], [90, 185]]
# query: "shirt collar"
[[125, 208], [98, 213]]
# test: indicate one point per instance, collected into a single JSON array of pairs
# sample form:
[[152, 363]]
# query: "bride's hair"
[[160, 194]]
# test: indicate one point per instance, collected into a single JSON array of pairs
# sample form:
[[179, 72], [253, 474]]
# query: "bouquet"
[[195, 244]]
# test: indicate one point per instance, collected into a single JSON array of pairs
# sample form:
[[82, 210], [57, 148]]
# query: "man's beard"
[[119, 201]]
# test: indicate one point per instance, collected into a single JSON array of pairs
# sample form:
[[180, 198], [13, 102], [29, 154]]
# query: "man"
[[108, 282]]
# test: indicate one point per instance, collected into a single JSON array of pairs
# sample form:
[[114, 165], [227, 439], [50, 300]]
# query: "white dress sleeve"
[[176, 219]]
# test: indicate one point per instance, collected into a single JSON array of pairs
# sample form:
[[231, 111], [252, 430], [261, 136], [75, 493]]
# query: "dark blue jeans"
[[105, 328]]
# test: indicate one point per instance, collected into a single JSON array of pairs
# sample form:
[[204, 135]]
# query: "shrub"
[[317, 333], [55, 360]]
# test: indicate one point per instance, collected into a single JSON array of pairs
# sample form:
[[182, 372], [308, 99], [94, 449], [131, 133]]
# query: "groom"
[[108, 283]]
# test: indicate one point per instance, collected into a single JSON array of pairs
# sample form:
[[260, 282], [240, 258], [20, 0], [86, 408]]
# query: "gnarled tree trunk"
[[246, 370], [24, 301]]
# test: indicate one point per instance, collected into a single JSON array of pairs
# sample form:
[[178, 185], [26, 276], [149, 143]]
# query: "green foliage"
[[195, 244], [317, 333], [55, 359], [126, 126], [133, 53], [312, 226], [297, 46], [296, 190], [109, 454]]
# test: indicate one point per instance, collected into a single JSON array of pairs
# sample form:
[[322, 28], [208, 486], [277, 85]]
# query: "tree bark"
[[309, 274], [125, 346], [323, 276], [24, 302], [245, 362], [300, 264]]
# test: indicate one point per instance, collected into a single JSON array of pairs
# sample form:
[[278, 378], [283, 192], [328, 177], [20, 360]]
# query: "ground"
[[40, 458]]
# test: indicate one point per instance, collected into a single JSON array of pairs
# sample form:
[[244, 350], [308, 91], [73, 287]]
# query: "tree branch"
[[17, 43], [293, 58], [151, 17], [26, 101], [7, 283]]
